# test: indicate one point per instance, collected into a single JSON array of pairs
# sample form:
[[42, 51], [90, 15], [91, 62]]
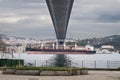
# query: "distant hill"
[[97, 42], [8, 37], [15, 39]]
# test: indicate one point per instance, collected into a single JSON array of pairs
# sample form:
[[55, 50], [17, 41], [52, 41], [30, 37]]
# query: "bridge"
[[60, 11]]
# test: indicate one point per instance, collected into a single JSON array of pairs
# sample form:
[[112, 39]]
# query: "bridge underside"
[[60, 13]]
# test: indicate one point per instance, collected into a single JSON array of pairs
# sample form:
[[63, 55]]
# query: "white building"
[[15, 48], [107, 47]]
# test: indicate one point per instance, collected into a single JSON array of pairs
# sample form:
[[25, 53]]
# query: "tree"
[[2, 45], [60, 60]]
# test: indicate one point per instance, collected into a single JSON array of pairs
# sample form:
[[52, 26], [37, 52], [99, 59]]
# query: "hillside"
[[15, 39], [97, 42]]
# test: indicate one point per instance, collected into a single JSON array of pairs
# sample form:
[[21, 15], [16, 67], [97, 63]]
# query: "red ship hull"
[[57, 51]]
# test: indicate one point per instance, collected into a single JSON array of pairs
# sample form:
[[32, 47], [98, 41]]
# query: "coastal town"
[[20, 44]]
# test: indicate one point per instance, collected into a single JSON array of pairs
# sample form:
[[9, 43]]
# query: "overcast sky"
[[89, 18]]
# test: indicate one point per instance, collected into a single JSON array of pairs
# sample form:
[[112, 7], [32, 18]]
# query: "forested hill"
[[97, 42]]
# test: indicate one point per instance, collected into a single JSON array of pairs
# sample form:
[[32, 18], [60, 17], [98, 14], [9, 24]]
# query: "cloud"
[[97, 11], [89, 18], [22, 12], [11, 20]]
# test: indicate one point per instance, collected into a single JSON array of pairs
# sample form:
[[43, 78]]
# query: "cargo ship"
[[87, 50], [57, 51]]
